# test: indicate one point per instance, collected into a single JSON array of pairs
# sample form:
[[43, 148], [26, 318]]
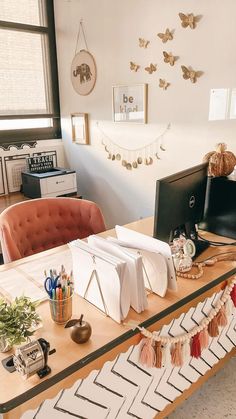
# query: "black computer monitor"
[[179, 205]]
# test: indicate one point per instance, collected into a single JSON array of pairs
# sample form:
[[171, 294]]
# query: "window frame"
[[20, 136]]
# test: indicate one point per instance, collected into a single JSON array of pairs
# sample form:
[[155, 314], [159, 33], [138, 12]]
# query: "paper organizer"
[[115, 274]]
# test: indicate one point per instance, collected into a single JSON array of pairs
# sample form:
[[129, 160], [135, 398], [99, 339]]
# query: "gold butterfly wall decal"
[[163, 84], [189, 73], [189, 20], [169, 58], [151, 68], [134, 67], [143, 43], [167, 36]]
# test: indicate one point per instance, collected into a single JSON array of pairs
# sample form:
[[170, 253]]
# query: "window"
[[29, 99]]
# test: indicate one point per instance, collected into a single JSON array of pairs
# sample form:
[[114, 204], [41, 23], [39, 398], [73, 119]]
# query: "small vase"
[[4, 345]]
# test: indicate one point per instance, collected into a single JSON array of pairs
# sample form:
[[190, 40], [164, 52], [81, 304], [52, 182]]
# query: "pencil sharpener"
[[32, 358]]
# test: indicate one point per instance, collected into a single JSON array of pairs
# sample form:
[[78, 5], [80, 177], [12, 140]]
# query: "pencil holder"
[[61, 310]]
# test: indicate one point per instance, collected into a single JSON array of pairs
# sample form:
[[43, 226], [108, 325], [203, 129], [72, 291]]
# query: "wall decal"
[[83, 68], [189, 20], [169, 58], [132, 158], [189, 73], [143, 43], [163, 84], [167, 36], [133, 66], [151, 68]]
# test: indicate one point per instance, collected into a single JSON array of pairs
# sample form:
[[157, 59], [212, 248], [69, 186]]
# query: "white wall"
[[112, 30]]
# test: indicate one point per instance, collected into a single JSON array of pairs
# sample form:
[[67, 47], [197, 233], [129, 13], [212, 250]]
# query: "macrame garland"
[[133, 158], [193, 342]]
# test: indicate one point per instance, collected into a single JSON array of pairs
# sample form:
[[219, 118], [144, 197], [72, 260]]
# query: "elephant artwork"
[[84, 72]]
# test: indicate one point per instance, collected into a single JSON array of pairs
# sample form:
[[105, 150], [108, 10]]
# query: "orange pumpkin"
[[221, 162]]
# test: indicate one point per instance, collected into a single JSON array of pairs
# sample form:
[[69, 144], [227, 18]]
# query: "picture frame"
[[129, 103], [80, 131], [83, 72]]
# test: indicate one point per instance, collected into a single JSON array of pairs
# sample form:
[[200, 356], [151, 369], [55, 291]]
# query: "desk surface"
[[107, 334]]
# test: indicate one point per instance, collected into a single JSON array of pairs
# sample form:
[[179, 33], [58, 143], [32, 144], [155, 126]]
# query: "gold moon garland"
[[133, 158]]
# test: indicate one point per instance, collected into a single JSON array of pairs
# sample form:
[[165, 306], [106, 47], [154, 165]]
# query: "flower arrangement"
[[17, 320]]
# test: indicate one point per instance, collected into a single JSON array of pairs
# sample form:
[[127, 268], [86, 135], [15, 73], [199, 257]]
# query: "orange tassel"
[[176, 355], [147, 354], [213, 329], [204, 338], [158, 355], [196, 346], [221, 317]]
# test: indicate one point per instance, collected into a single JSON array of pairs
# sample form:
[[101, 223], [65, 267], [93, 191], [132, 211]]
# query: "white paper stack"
[[134, 274], [100, 278], [151, 248]]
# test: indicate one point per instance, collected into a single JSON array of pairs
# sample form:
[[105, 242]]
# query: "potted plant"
[[17, 320]]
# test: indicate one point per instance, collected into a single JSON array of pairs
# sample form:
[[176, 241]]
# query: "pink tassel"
[[221, 317], [196, 346], [176, 355], [204, 338], [147, 355], [213, 329], [233, 295]]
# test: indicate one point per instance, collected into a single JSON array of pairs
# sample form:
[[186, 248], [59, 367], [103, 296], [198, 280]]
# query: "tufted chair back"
[[39, 224]]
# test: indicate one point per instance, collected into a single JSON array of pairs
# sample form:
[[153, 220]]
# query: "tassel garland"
[[196, 346], [158, 355], [213, 329], [176, 355], [221, 317], [157, 350], [147, 354], [233, 295], [204, 338]]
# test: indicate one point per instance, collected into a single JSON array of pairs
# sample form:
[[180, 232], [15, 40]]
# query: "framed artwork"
[[80, 131], [83, 72], [130, 103]]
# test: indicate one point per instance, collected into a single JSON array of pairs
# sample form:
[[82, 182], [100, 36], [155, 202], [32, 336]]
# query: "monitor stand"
[[200, 247], [189, 231]]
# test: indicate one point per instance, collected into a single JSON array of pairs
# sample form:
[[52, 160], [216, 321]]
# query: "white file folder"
[[143, 242], [98, 277], [134, 274]]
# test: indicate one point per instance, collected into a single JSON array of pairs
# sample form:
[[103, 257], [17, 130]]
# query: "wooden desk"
[[72, 361]]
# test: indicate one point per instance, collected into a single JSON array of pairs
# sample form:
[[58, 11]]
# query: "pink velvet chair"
[[39, 224]]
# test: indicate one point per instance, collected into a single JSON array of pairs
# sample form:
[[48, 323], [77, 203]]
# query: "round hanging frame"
[[83, 72]]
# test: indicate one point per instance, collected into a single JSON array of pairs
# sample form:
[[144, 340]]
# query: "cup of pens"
[[60, 291]]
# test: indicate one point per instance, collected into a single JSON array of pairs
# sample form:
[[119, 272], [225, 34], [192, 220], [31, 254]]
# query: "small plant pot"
[[4, 346]]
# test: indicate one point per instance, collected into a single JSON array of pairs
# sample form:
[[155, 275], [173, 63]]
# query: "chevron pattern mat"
[[124, 389]]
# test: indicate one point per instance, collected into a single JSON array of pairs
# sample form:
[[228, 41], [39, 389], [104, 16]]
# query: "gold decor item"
[[163, 84], [151, 68], [133, 158], [134, 67], [143, 43], [189, 73], [188, 20], [221, 162], [167, 36], [169, 58]]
